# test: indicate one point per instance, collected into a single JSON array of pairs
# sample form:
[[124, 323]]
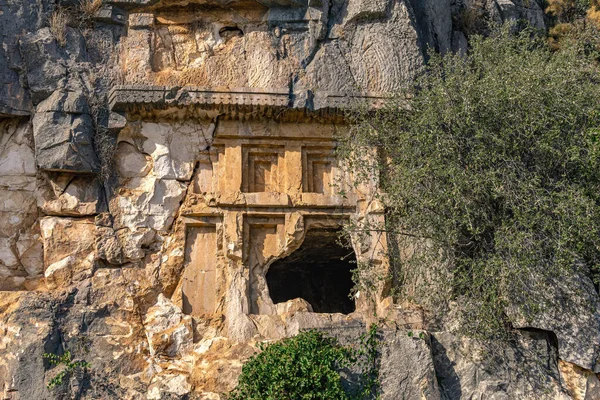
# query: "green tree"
[[489, 169]]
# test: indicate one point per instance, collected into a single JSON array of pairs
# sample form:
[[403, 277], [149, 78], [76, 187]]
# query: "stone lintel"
[[242, 102]]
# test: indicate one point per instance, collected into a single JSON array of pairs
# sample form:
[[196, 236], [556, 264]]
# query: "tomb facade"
[[263, 176]]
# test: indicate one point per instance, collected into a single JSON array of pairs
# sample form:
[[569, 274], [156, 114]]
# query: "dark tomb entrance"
[[320, 272]]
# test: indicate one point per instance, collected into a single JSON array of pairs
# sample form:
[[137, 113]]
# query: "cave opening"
[[320, 272]]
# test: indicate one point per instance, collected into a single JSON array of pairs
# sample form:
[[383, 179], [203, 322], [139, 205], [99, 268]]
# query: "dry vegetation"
[[58, 25], [81, 16], [571, 16], [593, 14], [89, 8], [567, 11]]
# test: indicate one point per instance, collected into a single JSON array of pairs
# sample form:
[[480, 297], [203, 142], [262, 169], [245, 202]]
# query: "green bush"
[[308, 366], [491, 174]]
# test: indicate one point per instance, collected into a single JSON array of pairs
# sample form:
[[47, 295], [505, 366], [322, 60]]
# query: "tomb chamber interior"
[[320, 272]]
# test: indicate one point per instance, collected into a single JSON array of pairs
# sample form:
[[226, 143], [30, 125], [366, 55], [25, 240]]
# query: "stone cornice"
[[242, 102]]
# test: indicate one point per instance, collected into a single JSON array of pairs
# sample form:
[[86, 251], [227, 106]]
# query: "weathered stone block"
[[169, 331], [515, 10], [66, 101], [80, 196], [69, 249], [46, 62], [524, 368], [63, 134], [406, 367], [14, 97]]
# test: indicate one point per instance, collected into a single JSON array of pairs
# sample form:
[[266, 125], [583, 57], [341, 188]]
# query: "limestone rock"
[[159, 274], [407, 368], [45, 64], [169, 385], [69, 246], [16, 17], [30, 253], [434, 23], [27, 328], [20, 246], [293, 306], [75, 196], [406, 363], [526, 369], [108, 247], [63, 132], [573, 313], [60, 273], [515, 10], [130, 163], [148, 203], [364, 9], [95, 321], [581, 384], [169, 331], [173, 148], [17, 178]]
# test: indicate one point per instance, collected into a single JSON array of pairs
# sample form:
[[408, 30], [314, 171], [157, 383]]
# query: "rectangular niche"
[[263, 236], [318, 165], [200, 285], [262, 169], [207, 173]]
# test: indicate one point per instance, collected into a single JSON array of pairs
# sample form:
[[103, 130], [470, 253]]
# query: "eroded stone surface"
[[20, 244], [526, 369], [156, 274], [68, 250]]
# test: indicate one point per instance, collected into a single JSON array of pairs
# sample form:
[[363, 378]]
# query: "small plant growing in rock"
[[69, 367], [367, 356], [58, 25]]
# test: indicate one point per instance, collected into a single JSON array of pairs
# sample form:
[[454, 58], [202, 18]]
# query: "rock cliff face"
[[170, 197]]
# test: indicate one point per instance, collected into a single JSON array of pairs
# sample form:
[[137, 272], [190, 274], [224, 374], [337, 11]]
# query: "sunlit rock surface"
[[155, 166]]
